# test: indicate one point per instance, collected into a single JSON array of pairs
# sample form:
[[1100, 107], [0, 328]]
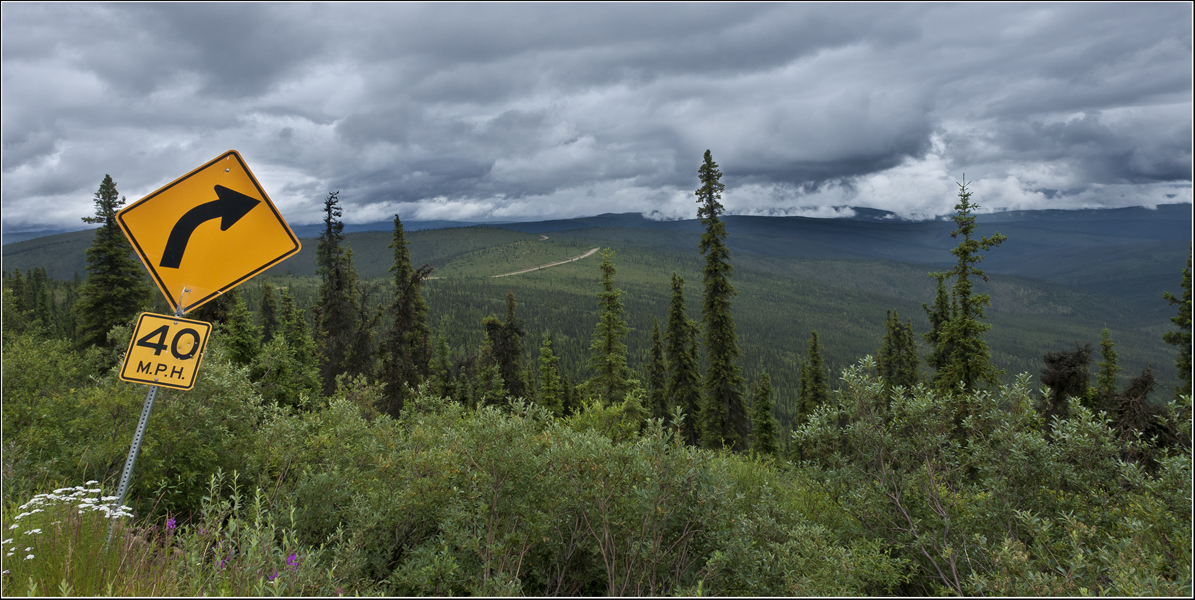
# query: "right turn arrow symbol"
[[231, 206]]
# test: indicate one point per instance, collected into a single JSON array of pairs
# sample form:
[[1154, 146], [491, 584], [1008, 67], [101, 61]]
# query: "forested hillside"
[[992, 404]]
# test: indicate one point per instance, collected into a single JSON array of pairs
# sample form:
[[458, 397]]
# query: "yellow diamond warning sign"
[[207, 232], [165, 351]]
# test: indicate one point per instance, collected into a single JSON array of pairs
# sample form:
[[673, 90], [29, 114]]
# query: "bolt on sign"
[[207, 232], [165, 351]]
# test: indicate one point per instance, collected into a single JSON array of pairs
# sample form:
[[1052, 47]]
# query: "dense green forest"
[[677, 413]]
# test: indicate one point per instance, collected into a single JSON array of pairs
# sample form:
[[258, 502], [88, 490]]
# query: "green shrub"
[[1002, 508]]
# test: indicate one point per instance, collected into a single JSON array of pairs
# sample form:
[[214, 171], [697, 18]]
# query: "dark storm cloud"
[[507, 111]]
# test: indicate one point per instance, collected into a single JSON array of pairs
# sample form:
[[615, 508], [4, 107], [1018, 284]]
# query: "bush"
[[969, 490], [69, 425], [499, 501]]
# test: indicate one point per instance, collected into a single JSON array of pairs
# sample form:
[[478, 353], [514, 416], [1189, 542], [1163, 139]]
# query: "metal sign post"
[[131, 460]]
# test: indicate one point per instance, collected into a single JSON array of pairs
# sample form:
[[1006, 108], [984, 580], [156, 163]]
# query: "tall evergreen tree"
[[684, 376], [288, 366], [763, 435], [20, 292], [1182, 337], [657, 376], [898, 355], [1105, 383], [966, 355], [115, 290], [504, 349], [607, 352], [723, 415], [632, 410], [16, 313], [244, 336], [939, 319], [551, 390], [342, 341], [442, 382], [406, 348], [268, 310], [490, 388], [41, 300], [815, 381]]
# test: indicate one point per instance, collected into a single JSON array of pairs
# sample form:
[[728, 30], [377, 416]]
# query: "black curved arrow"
[[231, 206]]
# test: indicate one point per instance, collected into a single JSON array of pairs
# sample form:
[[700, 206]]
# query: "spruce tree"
[[632, 410], [342, 341], [16, 315], [115, 290], [297, 333], [568, 396], [967, 358], [551, 390], [939, 319], [657, 376], [723, 414], [608, 353], [1182, 337], [504, 350], [406, 347], [268, 310], [763, 422], [20, 292], [490, 388], [244, 336], [442, 383], [41, 300], [287, 368], [1105, 383], [684, 376], [898, 356], [815, 382]]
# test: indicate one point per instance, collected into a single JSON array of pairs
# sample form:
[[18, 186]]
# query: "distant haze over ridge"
[[639, 220]]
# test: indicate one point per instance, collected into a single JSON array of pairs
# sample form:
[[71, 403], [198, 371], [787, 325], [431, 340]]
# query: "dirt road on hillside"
[[575, 258]]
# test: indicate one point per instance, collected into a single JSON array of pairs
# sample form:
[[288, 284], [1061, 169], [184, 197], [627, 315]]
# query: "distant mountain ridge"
[[637, 220], [1052, 244]]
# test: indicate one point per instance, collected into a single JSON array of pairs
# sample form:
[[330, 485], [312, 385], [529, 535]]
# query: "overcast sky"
[[534, 111]]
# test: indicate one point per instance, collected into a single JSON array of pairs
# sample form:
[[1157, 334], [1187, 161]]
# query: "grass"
[[56, 546]]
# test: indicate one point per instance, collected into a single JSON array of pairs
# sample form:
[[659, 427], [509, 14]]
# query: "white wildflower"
[[8, 541], [14, 526], [33, 531], [92, 482], [30, 548], [30, 557]]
